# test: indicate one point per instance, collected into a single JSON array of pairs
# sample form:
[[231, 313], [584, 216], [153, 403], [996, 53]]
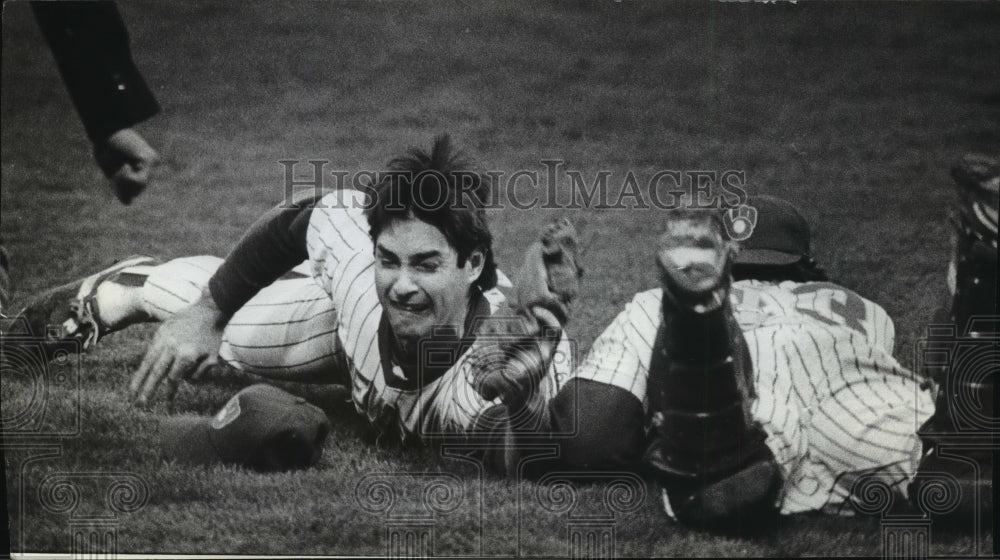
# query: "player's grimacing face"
[[418, 280]]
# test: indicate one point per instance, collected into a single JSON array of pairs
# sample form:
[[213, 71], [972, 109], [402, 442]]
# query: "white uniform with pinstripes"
[[834, 402], [328, 322]]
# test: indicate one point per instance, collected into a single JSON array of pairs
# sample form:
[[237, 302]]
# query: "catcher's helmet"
[[780, 236]]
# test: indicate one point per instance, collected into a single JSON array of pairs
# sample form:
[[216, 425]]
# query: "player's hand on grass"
[[186, 345], [126, 160]]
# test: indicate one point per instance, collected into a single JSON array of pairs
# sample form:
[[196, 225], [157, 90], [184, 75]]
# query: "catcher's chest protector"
[[700, 391]]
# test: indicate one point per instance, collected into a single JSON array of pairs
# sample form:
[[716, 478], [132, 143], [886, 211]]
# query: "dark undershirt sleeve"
[[608, 423], [272, 246], [599, 428]]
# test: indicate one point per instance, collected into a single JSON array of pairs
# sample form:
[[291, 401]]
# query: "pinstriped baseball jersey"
[[832, 399], [342, 263]]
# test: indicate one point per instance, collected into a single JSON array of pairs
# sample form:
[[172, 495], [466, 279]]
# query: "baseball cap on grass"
[[261, 427], [780, 237]]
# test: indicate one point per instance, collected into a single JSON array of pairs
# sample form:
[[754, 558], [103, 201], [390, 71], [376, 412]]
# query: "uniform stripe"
[[283, 322], [284, 366], [253, 303], [358, 299], [330, 253], [848, 384], [362, 229], [336, 230], [286, 344], [162, 288]]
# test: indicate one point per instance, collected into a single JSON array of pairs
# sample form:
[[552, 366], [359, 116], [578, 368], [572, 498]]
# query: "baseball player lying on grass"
[[748, 384], [775, 392], [391, 301]]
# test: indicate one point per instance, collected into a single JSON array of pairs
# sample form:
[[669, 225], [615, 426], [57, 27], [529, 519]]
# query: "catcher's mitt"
[[550, 275], [520, 343]]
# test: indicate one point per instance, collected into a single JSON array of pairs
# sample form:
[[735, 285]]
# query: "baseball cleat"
[[70, 312], [959, 439], [704, 447]]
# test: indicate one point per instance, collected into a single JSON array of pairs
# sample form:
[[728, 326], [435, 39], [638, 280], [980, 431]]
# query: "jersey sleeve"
[[620, 355], [337, 241], [341, 259]]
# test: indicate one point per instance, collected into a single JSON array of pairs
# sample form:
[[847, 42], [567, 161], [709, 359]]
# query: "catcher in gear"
[[397, 300], [749, 385]]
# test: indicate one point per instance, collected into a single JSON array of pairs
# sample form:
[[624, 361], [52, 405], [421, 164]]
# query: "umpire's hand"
[[127, 161], [185, 345]]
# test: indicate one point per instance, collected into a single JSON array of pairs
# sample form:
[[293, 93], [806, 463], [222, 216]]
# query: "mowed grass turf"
[[853, 112]]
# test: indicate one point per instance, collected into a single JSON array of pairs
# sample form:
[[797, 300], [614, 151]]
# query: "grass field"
[[855, 112]]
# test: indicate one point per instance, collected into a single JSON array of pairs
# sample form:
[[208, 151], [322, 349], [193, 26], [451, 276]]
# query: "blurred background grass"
[[853, 111]]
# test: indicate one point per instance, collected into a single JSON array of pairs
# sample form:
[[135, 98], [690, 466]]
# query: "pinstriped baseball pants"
[[287, 330]]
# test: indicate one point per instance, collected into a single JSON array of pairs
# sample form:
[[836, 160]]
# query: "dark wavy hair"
[[440, 188], [805, 269]]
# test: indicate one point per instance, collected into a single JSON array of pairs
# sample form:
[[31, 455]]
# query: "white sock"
[[119, 298]]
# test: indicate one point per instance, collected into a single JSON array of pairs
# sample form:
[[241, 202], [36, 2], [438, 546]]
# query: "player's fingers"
[[208, 363], [140, 374], [178, 370], [156, 375], [553, 303], [169, 390]]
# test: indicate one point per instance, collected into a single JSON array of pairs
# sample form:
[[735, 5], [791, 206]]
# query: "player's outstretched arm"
[[188, 343], [546, 286]]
